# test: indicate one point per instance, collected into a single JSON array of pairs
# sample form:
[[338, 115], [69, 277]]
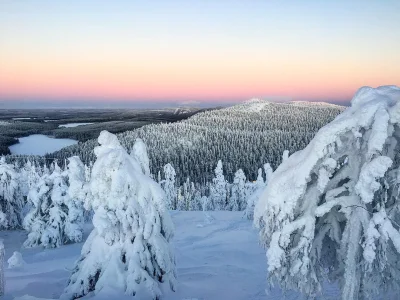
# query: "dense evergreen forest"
[[16, 123], [244, 136]]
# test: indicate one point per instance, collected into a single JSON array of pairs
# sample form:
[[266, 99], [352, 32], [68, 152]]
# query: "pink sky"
[[213, 52]]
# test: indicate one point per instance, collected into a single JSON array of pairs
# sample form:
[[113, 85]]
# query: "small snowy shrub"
[[128, 249], [331, 211], [16, 261]]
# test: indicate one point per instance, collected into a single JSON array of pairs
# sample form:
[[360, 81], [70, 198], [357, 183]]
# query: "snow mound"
[[27, 297], [16, 261]]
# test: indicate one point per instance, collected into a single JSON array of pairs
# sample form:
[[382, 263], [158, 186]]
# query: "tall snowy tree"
[[169, 187], [268, 172], [195, 204], [180, 199], [260, 180], [77, 194], [28, 177], [237, 199], [128, 249], [218, 189], [139, 152], [53, 220], [11, 199], [332, 209]]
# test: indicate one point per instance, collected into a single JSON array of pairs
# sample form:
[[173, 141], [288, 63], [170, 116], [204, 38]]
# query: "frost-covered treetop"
[[380, 108], [109, 154]]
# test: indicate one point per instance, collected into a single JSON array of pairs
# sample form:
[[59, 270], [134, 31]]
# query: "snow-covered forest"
[[327, 216], [244, 136]]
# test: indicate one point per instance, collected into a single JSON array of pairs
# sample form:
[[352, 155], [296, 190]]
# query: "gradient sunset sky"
[[205, 50]]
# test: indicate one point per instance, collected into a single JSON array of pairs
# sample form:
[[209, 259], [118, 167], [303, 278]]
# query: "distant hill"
[[245, 136]]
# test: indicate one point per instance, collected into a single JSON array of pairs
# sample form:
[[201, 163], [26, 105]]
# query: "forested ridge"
[[244, 136]]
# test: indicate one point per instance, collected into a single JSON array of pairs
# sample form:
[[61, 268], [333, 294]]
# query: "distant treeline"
[[47, 122]]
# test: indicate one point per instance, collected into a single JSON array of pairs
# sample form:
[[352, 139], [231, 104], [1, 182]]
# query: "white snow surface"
[[71, 125], [39, 144], [218, 257]]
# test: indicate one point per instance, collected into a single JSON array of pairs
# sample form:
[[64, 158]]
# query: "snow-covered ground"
[[39, 144], [71, 125], [218, 257]]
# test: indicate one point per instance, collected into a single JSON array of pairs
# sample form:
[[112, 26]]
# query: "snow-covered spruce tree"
[[180, 199], [168, 185], [218, 195], [268, 172], [139, 152], [237, 200], [128, 249], [195, 204], [53, 220], [28, 177], [332, 210], [77, 193], [260, 180], [11, 199]]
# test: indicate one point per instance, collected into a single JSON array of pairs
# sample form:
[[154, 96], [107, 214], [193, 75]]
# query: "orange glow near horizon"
[[146, 79], [205, 53]]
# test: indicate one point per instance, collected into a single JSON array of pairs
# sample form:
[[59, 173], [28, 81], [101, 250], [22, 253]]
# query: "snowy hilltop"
[[331, 210]]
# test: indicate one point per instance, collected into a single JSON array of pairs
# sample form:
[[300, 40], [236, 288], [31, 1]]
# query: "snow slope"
[[218, 257]]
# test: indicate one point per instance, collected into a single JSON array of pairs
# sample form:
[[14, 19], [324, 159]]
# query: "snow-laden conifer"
[[29, 177], [168, 185], [218, 193], [54, 219], [332, 209], [139, 152], [237, 199], [77, 194], [268, 172], [128, 249], [11, 198]]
